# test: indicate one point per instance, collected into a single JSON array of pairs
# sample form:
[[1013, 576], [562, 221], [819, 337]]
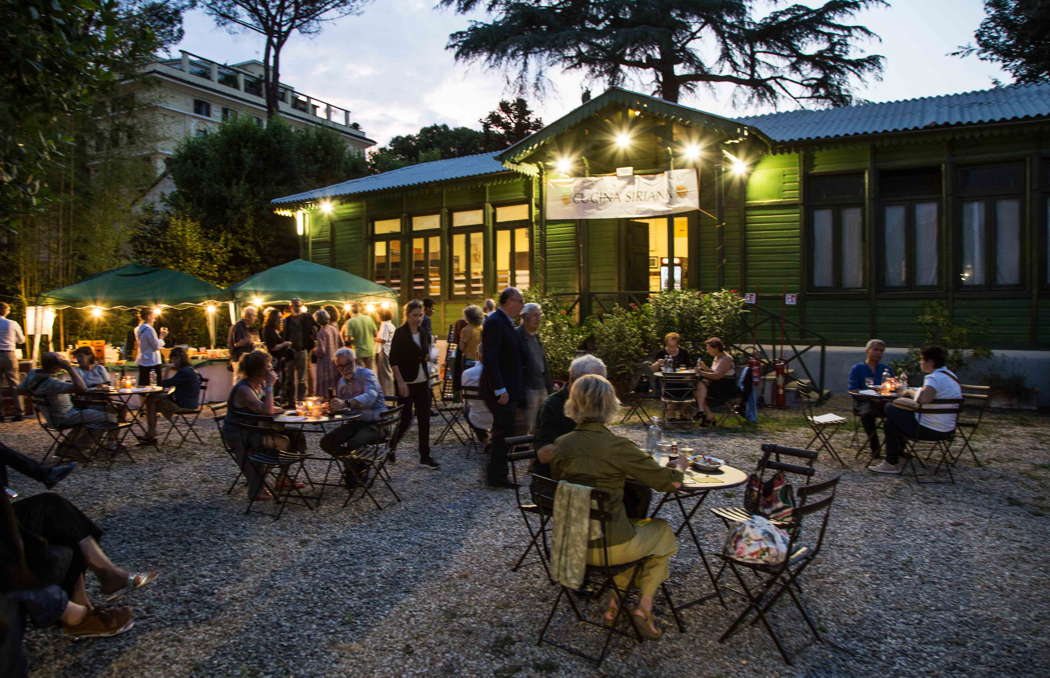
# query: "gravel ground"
[[931, 580]]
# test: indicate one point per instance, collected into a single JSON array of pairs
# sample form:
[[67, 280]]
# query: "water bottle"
[[653, 438], [152, 378]]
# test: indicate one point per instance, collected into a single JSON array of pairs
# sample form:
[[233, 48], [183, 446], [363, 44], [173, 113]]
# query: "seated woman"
[[186, 396], [94, 375], [594, 456], [252, 398], [718, 382], [679, 358]]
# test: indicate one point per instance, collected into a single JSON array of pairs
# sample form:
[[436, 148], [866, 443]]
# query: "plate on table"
[[706, 464], [867, 392], [290, 418]]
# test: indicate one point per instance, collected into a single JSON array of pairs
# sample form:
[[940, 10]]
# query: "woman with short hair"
[[717, 382], [384, 336], [94, 374], [326, 343], [409, 358], [592, 455]]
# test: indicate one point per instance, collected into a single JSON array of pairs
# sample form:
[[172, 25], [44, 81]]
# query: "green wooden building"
[[845, 220]]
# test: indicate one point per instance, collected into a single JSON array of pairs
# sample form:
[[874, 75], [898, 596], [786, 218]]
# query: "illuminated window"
[[383, 226], [468, 253], [512, 246], [426, 222], [388, 263], [426, 256], [992, 213]]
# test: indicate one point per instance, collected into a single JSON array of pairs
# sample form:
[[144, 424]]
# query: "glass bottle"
[[654, 436]]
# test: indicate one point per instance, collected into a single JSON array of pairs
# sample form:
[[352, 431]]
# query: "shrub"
[[620, 338], [962, 340], [696, 316]]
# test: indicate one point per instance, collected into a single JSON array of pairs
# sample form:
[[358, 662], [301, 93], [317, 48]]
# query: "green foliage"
[[621, 340], [793, 53], [697, 316], [433, 142], [1014, 34], [962, 340], [178, 242], [62, 58], [511, 122], [225, 181], [560, 333]]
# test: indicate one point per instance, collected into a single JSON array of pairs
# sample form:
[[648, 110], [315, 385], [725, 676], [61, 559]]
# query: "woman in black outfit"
[[279, 349], [409, 355]]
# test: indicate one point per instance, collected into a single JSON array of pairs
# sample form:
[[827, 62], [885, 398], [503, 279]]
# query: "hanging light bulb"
[[623, 140], [96, 312], [209, 309], [563, 165], [257, 301], [691, 152]]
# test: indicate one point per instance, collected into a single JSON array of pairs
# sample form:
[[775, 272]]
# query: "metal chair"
[[678, 391], [783, 578], [772, 460], [544, 490], [536, 521], [449, 407], [218, 411], [939, 451], [280, 471], [975, 402], [183, 420], [471, 397], [60, 435], [369, 464], [634, 401], [824, 426]]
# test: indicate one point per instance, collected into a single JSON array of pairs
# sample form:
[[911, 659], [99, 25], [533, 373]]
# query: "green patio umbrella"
[[313, 283], [133, 286]]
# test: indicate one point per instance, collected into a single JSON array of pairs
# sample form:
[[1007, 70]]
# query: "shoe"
[[147, 442], [642, 623], [101, 623], [135, 580], [57, 474], [11, 494], [429, 463], [886, 467], [502, 485]]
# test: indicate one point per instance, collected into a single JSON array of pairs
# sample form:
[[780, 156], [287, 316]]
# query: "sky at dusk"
[[389, 65]]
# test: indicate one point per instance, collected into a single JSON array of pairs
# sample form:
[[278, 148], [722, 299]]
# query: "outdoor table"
[[122, 397], [695, 488], [315, 424], [878, 402]]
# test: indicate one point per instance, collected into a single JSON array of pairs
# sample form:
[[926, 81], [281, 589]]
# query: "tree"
[[1015, 34], [798, 53], [432, 142], [63, 57], [511, 122], [276, 20], [225, 181]]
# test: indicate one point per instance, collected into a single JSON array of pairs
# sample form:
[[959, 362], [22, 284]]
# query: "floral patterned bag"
[[758, 541], [774, 498]]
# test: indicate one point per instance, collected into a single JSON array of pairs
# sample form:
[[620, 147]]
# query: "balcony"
[[252, 85]]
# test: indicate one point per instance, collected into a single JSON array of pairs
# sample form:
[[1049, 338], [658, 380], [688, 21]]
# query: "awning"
[[134, 286], [312, 283]]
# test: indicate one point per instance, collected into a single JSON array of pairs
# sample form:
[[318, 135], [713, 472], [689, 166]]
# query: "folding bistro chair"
[[824, 426], [635, 401], [678, 391], [450, 409], [60, 435], [183, 420], [536, 521], [368, 464], [218, 411], [471, 396], [800, 464], [975, 402], [783, 578], [544, 490], [280, 472], [937, 452]]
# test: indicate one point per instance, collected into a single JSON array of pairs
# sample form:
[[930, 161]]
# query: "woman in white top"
[[902, 422], [94, 374], [383, 338], [150, 344], [716, 383]]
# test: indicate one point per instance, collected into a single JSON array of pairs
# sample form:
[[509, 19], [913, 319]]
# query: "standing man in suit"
[[503, 380]]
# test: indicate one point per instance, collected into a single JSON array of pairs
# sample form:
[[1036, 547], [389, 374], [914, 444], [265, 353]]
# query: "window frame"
[[989, 200], [910, 205], [511, 227], [409, 236], [205, 105], [837, 205], [387, 238], [467, 231]]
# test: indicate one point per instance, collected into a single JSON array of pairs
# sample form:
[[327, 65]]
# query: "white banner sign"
[[635, 196]]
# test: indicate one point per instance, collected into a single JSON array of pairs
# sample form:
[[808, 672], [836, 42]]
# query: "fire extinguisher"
[[756, 371], [780, 369]]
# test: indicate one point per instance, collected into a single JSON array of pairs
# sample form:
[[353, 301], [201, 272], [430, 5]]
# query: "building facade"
[[191, 96], [845, 221]]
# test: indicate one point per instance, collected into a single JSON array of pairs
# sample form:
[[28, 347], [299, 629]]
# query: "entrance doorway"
[[657, 254]]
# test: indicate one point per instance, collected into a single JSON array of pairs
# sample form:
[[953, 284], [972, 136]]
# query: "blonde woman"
[[593, 455]]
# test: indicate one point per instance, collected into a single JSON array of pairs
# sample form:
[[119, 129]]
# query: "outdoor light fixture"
[[385, 304], [737, 166], [563, 165], [346, 308], [691, 152], [370, 308], [257, 301], [302, 309], [326, 206], [96, 312], [158, 310], [300, 222], [210, 308], [623, 140]]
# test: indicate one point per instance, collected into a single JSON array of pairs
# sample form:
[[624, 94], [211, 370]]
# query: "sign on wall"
[[634, 196]]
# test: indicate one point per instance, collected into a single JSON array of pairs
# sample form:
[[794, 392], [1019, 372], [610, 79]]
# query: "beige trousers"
[[652, 537]]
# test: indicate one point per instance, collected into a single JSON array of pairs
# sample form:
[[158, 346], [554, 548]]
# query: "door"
[[636, 271]]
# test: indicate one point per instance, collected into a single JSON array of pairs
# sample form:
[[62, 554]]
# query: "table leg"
[[687, 516]]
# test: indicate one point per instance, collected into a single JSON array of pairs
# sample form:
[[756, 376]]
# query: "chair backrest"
[[520, 448], [975, 400], [815, 501], [388, 421], [470, 393], [544, 489], [772, 460]]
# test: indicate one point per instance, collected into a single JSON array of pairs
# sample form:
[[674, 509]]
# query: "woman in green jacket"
[[592, 455]]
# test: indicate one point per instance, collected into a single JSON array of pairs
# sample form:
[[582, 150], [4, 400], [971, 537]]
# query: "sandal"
[[135, 580], [644, 624], [612, 610]]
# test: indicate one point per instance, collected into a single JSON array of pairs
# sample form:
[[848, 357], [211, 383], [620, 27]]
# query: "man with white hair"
[[552, 424], [359, 390], [868, 374], [537, 378]]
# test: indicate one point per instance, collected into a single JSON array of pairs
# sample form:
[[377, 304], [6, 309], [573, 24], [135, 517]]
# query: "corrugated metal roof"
[[1015, 102], [423, 173]]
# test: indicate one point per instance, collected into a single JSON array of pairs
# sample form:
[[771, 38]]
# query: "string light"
[[210, 308], [96, 312], [157, 310], [691, 152], [623, 140], [563, 165], [257, 301], [385, 304], [326, 206], [370, 308], [346, 308]]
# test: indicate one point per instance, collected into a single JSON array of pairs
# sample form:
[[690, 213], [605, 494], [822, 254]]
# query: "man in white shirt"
[[149, 347], [478, 415], [11, 335], [940, 383]]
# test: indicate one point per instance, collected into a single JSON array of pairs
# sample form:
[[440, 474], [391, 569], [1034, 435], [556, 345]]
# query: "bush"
[[696, 316], [961, 340], [621, 341], [560, 333]]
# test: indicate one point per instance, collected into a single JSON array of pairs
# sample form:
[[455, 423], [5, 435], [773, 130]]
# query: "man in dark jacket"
[[502, 380], [300, 329]]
